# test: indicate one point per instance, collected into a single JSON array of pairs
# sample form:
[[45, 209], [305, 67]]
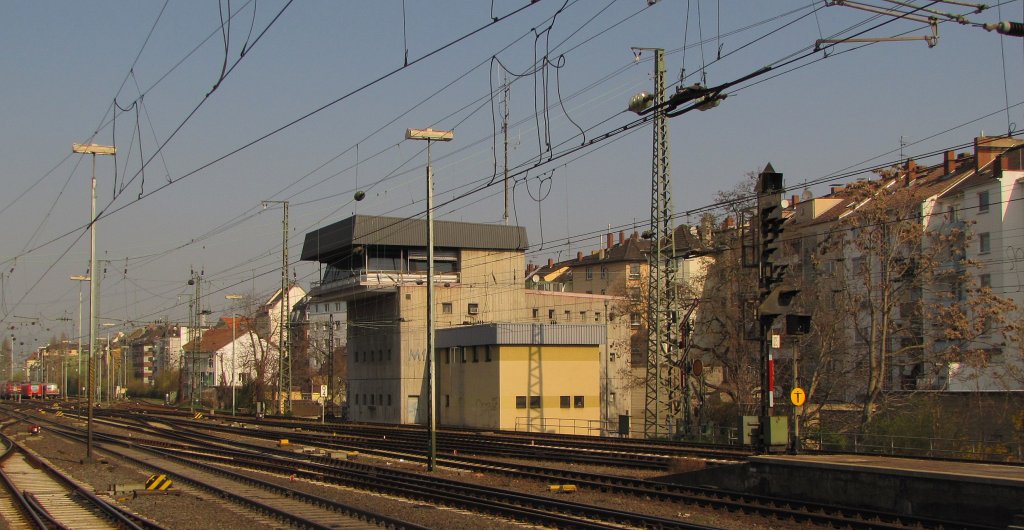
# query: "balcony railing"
[[386, 278]]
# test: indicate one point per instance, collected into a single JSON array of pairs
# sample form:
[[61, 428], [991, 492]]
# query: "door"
[[412, 409]]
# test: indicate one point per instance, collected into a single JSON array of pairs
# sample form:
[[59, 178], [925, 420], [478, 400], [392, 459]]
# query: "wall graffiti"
[[1015, 257]]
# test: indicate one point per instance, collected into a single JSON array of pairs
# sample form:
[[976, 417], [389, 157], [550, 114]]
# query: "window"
[[951, 214], [448, 356], [985, 280], [985, 243], [534, 402], [520, 402], [597, 316], [634, 319], [487, 353], [337, 306], [476, 354], [577, 402], [563, 402], [604, 272], [446, 308], [536, 313], [583, 316], [634, 271], [462, 354], [568, 315], [389, 400], [473, 308], [590, 273], [983, 202], [551, 314], [357, 399], [447, 400]]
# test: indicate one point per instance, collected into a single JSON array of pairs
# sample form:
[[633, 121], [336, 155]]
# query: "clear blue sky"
[[65, 64]]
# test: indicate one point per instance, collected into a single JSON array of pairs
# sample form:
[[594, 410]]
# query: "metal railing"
[[565, 426], [924, 447]]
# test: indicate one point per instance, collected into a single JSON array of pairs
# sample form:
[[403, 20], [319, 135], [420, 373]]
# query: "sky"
[[216, 108]]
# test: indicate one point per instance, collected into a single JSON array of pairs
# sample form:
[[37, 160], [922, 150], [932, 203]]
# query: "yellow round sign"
[[798, 396]]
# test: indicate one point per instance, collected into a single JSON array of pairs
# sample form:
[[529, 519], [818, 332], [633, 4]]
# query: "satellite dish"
[[536, 278]]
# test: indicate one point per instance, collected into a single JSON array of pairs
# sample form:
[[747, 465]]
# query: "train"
[[14, 390]]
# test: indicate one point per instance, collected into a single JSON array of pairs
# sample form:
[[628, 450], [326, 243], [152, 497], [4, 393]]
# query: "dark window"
[[534, 402], [476, 354], [984, 243], [487, 353], [473, 309], [447, 400], [462, 354], [389, 400], [985, 280], [577, 402], [520, 402], [983, 202], [448, 356], [590, 273], [551, 314], [564, 402], [536, 313], [446, 308]]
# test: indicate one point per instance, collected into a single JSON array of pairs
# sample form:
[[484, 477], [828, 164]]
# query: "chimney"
[[635, 235], [579, 256], [622, 237], [986, 149], [949, 163], [793, 199], [910, 166], [611, 240], [551, 262]]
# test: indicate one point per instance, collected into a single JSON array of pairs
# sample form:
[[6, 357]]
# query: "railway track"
[[391, 481], [43, 497]]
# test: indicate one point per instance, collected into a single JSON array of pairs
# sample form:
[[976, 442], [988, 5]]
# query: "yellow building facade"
[[522, 376]]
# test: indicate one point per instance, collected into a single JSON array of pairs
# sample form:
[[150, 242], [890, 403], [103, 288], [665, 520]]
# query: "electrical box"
[[750, 426]]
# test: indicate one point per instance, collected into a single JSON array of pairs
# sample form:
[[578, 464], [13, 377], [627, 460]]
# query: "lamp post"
[[430, 136], [110, 351], [78, 375], [92, 149], [234, 324], [64, 366]]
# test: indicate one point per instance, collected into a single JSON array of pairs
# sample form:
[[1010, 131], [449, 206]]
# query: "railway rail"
[[399, 482], [43, 497]]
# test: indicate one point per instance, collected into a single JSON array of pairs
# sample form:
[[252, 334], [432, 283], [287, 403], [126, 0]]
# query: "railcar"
[[51, 391], [11, 390], [31, 391]]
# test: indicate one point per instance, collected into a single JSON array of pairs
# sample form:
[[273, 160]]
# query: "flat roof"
[[336, 239]]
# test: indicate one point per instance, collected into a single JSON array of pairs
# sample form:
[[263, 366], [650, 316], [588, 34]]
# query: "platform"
[[982, 473], [985, 495]]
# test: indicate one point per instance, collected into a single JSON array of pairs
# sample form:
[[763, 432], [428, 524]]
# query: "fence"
[[881, 444]]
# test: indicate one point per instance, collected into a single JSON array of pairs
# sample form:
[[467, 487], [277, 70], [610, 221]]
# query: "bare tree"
[[908, 290]]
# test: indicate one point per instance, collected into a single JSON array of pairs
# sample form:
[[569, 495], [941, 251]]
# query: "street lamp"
[[78, 375], [109, 385], [430, 136], [234, 323], [92, 149]]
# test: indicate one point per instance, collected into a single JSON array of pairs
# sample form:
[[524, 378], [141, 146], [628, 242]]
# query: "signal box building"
[[377, 266], [522, 376]]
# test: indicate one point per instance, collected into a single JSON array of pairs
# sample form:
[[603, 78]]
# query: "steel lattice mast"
[[661, 291]]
